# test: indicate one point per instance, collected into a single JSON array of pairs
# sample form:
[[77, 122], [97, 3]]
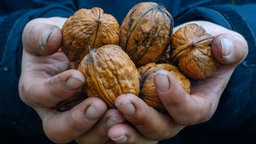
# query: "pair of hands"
[[46, 80]]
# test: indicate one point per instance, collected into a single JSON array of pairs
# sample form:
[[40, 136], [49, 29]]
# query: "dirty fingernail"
[[162, 81], [45, 36], [127, 108], [93, 113], [226, 45], [74, 83]]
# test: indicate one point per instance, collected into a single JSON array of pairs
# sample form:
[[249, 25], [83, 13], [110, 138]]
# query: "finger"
[[50, 90], [41, 38], [184, 108], [98, 134], [229, 48], [123, 133], [148, 121], [66, 126]]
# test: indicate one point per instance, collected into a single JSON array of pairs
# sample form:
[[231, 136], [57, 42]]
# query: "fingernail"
[[74, 83], [93, 113], [45, 36], [112, 121], [121, 139], [226, 45], [162, 81], [127, 108]]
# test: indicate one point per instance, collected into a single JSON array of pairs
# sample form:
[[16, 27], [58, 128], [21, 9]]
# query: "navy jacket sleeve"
[[236, 114]]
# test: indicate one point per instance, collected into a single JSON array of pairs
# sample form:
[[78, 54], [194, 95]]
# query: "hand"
[[45, 81], [229, 48]]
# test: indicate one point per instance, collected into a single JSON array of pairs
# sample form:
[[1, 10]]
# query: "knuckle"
[[56, 89], [26, 95], [74, 123]]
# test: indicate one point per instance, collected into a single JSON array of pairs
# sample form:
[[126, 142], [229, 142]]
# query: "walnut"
[[69, 103], [145, 32], [147, 86], [109, 72], [88, 28], [191, 49]]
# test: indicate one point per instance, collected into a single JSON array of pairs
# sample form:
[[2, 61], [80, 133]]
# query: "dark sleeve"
[[236, 112], [19, 123]]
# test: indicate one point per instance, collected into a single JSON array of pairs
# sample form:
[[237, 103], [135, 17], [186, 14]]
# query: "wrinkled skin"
[[46, 80]]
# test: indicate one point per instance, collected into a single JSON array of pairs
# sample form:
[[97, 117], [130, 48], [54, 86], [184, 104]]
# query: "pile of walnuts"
[[123, 59]]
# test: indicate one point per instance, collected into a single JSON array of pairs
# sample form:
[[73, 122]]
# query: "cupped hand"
[[229, 48], [183, 109], [45, 81]]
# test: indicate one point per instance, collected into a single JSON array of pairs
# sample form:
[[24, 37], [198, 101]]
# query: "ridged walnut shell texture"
[[109, 72], [147, 86], [145, 32], [88, 28], [191, 48]]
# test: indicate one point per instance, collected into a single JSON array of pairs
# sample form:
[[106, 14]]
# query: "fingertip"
[[41, 38], [173, 94], [229, 49], [118, 133], [95, 108], [162, 81], [124, 97], [65, 126], [53, 38], [166, 83], [62, 89], [68, 81], [222, 49], [123, 133], [75, 81], [125, 103]]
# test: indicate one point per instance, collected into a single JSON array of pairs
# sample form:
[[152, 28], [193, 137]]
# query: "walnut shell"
[[88, 28], [147, 86], [69, 103], [109, 72], [191, 48], [145, 32]]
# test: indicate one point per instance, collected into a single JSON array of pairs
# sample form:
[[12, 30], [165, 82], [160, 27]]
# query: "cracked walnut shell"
[[191, 49], [147, 86], [88, 28], [109, 72]]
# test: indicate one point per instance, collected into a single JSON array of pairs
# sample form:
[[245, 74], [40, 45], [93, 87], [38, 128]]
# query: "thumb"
[[229, 49], [40, 38]]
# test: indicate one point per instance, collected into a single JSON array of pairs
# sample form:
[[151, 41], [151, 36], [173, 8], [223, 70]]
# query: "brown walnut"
[[145, 32], [191, 48], [70, 102], [88, 28], [109, 72], [147, 86]]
